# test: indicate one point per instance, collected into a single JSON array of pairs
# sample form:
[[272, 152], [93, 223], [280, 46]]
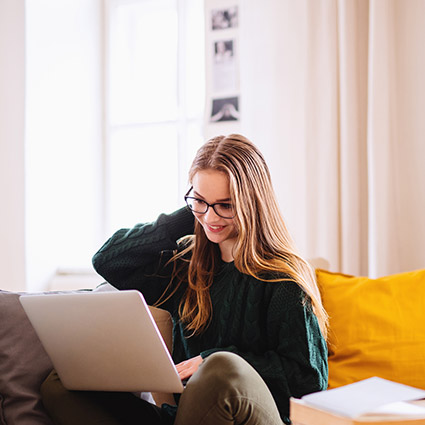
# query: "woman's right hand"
[[187, 368]]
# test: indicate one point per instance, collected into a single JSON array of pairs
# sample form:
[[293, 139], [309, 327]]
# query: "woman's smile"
[[214, 228]]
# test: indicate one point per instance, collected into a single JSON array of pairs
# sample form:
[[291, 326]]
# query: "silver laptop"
[[103, 341]]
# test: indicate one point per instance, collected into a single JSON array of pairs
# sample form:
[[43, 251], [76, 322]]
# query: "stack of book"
[[372, 401]]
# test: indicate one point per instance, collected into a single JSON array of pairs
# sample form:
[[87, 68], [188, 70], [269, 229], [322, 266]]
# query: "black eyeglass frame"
[[186, 197]]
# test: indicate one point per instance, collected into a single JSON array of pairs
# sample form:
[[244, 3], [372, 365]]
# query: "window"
[[154, 85]]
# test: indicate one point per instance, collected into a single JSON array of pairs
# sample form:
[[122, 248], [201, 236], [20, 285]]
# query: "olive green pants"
[[225, 390]]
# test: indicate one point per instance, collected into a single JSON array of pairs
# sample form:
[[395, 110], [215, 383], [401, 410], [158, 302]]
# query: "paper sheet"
[[400, 408], [363, 397]]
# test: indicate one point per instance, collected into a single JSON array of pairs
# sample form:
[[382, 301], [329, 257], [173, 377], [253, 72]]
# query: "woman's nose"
[[211, 215]]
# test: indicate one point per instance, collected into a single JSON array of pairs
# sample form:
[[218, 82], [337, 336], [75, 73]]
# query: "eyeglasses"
[[199, 206]]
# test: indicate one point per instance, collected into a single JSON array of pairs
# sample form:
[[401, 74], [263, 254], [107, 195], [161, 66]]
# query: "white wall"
[[63, 135], [271, 55], [12, 120]]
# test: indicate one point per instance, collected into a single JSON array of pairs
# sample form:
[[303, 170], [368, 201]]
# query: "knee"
[[224, 359], [225, 370], [226, 389]]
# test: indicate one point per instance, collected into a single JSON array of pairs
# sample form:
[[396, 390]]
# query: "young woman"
[[249, 326]]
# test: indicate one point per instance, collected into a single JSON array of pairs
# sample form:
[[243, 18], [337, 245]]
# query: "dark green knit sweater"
[[266, 323]]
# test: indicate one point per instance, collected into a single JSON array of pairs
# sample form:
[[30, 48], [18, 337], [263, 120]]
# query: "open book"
[[374, 400]]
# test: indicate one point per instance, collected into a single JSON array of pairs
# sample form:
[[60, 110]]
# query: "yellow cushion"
[[377, 327]]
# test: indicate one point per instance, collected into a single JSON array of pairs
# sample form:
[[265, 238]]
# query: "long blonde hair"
[[263, 247]]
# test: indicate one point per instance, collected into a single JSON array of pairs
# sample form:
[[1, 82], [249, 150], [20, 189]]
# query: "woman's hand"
[[187, 368]]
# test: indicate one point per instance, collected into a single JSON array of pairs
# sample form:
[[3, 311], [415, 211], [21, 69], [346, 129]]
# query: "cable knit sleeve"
[[130, 255]]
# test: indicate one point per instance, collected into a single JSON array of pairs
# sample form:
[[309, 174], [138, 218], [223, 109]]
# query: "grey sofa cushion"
[[23, 366]]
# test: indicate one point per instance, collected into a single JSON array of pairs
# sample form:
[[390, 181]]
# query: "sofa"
[[376, 329]]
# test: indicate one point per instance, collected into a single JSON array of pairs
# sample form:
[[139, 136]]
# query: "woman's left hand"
[[187, 368]]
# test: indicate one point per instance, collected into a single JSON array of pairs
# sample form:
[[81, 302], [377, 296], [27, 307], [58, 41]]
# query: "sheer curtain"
[[333, 92]]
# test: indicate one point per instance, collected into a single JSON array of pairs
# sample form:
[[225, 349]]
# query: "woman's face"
[[213, 186]]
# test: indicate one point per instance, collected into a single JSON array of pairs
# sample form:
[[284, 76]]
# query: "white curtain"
[[333, 92]]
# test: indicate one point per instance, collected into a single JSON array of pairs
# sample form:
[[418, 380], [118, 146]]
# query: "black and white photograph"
[[224, 18], [223, 51], [225, 109], [224, 67]]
